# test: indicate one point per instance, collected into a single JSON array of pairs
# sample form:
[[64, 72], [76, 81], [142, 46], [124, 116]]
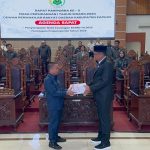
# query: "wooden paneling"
[[120, 10], [121, 2], [121, 35], [138, 7], [120, 26], [123, 42], [137, 37], [121, 18], [121, 7]]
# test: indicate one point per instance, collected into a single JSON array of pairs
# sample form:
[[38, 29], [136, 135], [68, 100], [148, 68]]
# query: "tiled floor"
[[75, 141]]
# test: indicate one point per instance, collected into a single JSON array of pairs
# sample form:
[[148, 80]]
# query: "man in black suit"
[[55, 101], [45, 55], [101, 87]]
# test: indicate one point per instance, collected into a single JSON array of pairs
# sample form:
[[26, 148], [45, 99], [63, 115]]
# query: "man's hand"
[[87, 90], [70, 92]]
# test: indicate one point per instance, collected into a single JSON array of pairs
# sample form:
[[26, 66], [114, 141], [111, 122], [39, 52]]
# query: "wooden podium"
[[140, 109], [78, 111]]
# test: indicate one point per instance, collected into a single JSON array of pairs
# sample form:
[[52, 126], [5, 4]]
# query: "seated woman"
[[121, 64]]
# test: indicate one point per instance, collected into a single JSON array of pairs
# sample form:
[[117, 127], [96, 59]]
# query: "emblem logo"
[[57, 2]]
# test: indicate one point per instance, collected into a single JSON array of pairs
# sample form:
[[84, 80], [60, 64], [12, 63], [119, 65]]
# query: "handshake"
[[76, 89]]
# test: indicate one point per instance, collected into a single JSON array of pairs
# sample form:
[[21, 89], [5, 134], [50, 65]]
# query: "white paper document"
[[78, 88]]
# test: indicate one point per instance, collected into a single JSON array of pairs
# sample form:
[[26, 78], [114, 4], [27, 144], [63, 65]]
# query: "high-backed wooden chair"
[[132, 55], [89, 70], [61, 78], [22, 53], [16, 77], [36, 72], [145, 61], [133, 80], [64, 75], [82, 64], [29, 72], [58, 54], [35, 64], [139, 110], [3, 64], [12, 102]]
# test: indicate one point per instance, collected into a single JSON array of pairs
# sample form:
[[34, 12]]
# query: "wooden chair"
[[75, 76], [58, 54], [12, 100], [140, 108], [133, 80], [3, 66], [145, 61], [36, 72], [29, 72], [89, 70], [64, 75], [140, 102], [132, 55], [35, 64], [82, 64]]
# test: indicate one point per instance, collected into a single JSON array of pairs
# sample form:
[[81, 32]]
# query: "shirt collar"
[[51, 75], [101, 60]]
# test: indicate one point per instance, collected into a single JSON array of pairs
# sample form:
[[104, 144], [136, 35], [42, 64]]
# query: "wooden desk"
[[78, 111], [140, 109], [11, 110]]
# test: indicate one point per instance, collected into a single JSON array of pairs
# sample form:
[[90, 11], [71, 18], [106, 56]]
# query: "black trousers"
[[44, 67], [54, 117], [104, 116]]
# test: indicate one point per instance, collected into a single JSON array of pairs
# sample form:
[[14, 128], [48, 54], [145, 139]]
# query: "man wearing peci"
[[55, 101], [101, 87]]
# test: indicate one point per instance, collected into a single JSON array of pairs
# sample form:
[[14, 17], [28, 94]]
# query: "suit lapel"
[[96, 71], [99, 66]]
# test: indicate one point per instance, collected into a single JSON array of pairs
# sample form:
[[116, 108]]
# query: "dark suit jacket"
[[101, 86], [44, 52], [54, 93]]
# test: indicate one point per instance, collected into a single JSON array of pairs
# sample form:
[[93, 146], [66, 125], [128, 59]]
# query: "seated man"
[[55, 102], [10, 53]]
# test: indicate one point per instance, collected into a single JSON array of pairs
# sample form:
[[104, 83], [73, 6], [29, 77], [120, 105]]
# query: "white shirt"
[[91, 46], [3, 47], [101, 60], [99, 43]]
